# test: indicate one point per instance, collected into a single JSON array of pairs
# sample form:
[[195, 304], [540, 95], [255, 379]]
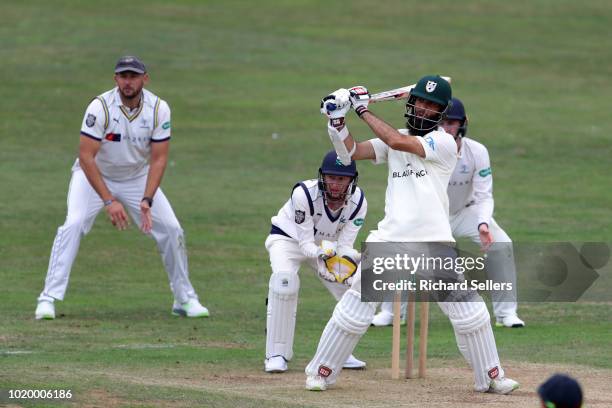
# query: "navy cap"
[[130, 63], [561, 391], [456, 111], [332, 165]]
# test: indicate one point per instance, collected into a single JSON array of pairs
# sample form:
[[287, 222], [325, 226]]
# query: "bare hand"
[[486, 238], [117, 215], [145, 217]]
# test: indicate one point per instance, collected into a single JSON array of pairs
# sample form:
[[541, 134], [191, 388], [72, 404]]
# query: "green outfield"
[[244, 80]]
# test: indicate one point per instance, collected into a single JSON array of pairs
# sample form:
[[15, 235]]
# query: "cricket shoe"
[[353, 363], [276, 364], [384, 318], [191, 308], [45, 310], [502, 386], [509, 321], [316, 383]]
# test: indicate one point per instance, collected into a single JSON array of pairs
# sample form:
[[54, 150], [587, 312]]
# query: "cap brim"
[[129, 69]]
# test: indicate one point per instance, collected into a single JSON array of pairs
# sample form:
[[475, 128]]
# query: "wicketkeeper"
[[317, 226]]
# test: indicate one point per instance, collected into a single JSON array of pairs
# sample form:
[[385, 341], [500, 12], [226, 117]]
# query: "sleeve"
[[95, 120], [348, 235], [381, 150], [441, 148], [162, 122], [482, 183], [304, 223]]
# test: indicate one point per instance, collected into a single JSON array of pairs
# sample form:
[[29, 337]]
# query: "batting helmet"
[[457, 112], [432, 88], [333, 165]]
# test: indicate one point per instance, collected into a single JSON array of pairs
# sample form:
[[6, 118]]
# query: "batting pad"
[[350, 320], [282, 308], [472, 324]]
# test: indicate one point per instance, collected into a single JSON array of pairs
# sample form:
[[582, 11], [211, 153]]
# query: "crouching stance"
[[317, 225]]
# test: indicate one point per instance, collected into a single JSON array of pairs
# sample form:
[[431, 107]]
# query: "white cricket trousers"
[[500, 258], [84, 204]]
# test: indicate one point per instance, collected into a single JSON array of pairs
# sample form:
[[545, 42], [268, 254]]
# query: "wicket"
[[410, 329]]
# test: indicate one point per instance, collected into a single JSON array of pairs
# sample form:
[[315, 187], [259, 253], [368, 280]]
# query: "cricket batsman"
[[470, 195], [416, 211]]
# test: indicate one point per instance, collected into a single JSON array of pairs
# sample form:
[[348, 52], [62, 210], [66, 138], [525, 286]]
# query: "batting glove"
[[360, 98], [335, 106]]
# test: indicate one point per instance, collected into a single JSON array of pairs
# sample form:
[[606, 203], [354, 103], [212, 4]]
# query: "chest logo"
[[300, 216], [358, 222], [464, 169], [113, 137]]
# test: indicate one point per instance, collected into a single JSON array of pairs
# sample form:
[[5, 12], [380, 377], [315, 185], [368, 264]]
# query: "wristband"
[[149, 201], [361, 110], [336, 122], [108, 202]]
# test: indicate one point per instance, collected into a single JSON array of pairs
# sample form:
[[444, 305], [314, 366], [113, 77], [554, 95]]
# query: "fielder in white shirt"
[[125, 137], [470, 194], [318, 226], [421, 160]]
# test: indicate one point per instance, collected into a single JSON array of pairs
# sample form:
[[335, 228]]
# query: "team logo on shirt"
[[485, 172], [91, 120], [300, 216], [358, 222], [431, 142], [464, 169], [166, 125]]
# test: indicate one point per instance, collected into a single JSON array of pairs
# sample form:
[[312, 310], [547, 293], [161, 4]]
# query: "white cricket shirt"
[[416, 204], [306, 218], [126, 135], [471, 183]]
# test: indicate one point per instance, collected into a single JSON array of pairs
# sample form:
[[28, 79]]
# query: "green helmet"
[[432, 88]]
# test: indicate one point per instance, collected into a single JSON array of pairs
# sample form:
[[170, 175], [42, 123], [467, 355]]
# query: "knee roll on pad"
[[284, 285], [352, 315], [469, 317]]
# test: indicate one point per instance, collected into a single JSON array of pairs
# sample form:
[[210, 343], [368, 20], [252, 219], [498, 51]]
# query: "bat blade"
[[395, 94]]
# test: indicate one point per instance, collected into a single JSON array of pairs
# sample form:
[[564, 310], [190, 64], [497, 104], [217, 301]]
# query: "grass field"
[[535, 77]]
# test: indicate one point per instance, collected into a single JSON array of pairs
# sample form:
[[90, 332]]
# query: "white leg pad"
[[282, 308], [350, 320], [475, 340]]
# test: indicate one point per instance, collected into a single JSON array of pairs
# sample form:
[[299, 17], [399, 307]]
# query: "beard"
[[130, 93]]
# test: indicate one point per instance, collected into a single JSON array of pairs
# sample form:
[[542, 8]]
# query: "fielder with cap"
[[420, 161], [317, 226], [470, 195], [123, 151]]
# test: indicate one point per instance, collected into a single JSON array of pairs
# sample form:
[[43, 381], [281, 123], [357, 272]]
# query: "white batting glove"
[[335, 106], [360, 98]]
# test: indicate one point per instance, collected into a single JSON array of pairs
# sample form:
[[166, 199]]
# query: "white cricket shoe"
[[276, 364], [192, 308], [316, 383], [353, 363], [502, 386], [45, 310], [383, 318], [509, 321]]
